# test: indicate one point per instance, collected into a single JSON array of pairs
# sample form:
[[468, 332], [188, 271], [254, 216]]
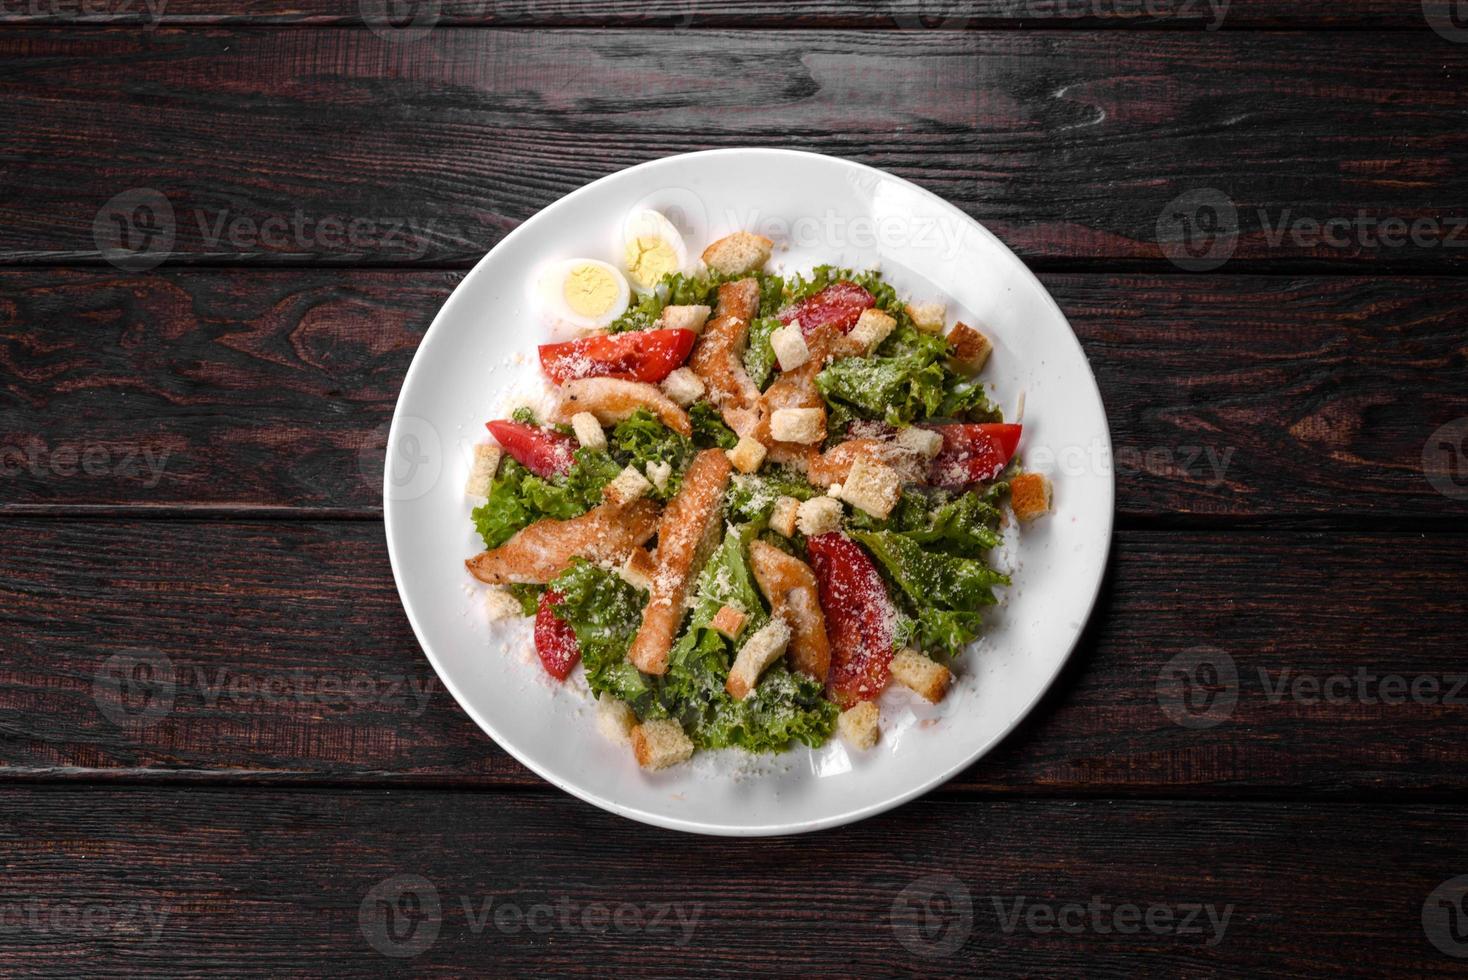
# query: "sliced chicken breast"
[[790, 586], [540, 552]]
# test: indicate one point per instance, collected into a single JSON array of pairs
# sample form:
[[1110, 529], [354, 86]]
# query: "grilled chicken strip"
[[540, 552], [833, 465], [797, 389], [687, 535], [790, 585], [718, 357], [613, 400]]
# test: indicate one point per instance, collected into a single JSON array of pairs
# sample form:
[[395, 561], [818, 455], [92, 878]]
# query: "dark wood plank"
[[682, 14], [263, 625], [1070, 145], [211, 882], [1230, 398]]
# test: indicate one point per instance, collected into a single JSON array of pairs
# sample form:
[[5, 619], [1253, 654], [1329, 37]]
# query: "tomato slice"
[[973, 452], [639, 355], [838, 305], [544, 452], [555, 640], [860, 618]]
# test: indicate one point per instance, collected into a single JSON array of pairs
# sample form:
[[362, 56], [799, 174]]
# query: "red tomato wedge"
[[543, 452], [860, 618], [638, 355], [839, 305], [973, 452], [555, 640]]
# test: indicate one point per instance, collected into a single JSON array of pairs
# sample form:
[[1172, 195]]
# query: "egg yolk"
[[648, 259], [589, 291]]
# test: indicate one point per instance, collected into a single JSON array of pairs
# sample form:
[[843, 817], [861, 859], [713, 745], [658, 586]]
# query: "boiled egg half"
[[585, 293], [652, 246]]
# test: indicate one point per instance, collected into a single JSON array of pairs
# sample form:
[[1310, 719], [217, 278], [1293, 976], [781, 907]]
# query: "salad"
[[751, 501]]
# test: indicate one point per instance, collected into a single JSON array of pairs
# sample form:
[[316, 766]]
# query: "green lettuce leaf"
[[709, 430], [642, 439], [605, 613], [518, 498]]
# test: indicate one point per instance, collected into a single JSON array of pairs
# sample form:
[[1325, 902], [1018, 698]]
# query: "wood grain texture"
[[287, 657], [1230, 398], [1069, 145], [210, 882]]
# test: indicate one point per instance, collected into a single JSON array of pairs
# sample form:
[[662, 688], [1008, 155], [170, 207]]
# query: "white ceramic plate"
[[481, 348]]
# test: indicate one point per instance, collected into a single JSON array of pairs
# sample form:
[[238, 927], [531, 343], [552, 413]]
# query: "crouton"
[[501, 605], [684, 318], [871, 329], [660, 472], [614, 719], [789, 346], [638, 570], [738, 253], [784, 515], [800, 425], [858, 724], [729, 621], [872, 486], [762, 649], [928, 678], [968, 349], [747, 455], [924, 442], [588, 431], [683, 386], [660, 743], [481, 473], [819, 515], [1029, 495], [928, 317], [629, 485]]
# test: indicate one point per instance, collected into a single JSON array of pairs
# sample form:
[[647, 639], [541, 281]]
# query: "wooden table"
[[223, 751]]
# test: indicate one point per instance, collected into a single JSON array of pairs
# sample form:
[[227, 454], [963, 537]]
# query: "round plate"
[[481, 349]]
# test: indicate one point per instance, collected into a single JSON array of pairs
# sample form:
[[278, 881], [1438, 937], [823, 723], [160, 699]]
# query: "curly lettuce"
[[518, 498]]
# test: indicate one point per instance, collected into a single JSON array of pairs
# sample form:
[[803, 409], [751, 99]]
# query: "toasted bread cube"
[[928, 678], [747, 455], [857, 725], [738, 253], [614, 719], [638, 570], [762, 649], [481, 474], [685, 318], [684, 387], [872, 486], [729, 621], [784, 516], [660, 743], [789, 346], [801, 425], [969, 349], [872, 328], [819, 515], [1029, 495], [499, 604], [924, 442], [627, 487], [928, 317], [660, 472], [588, 431]]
